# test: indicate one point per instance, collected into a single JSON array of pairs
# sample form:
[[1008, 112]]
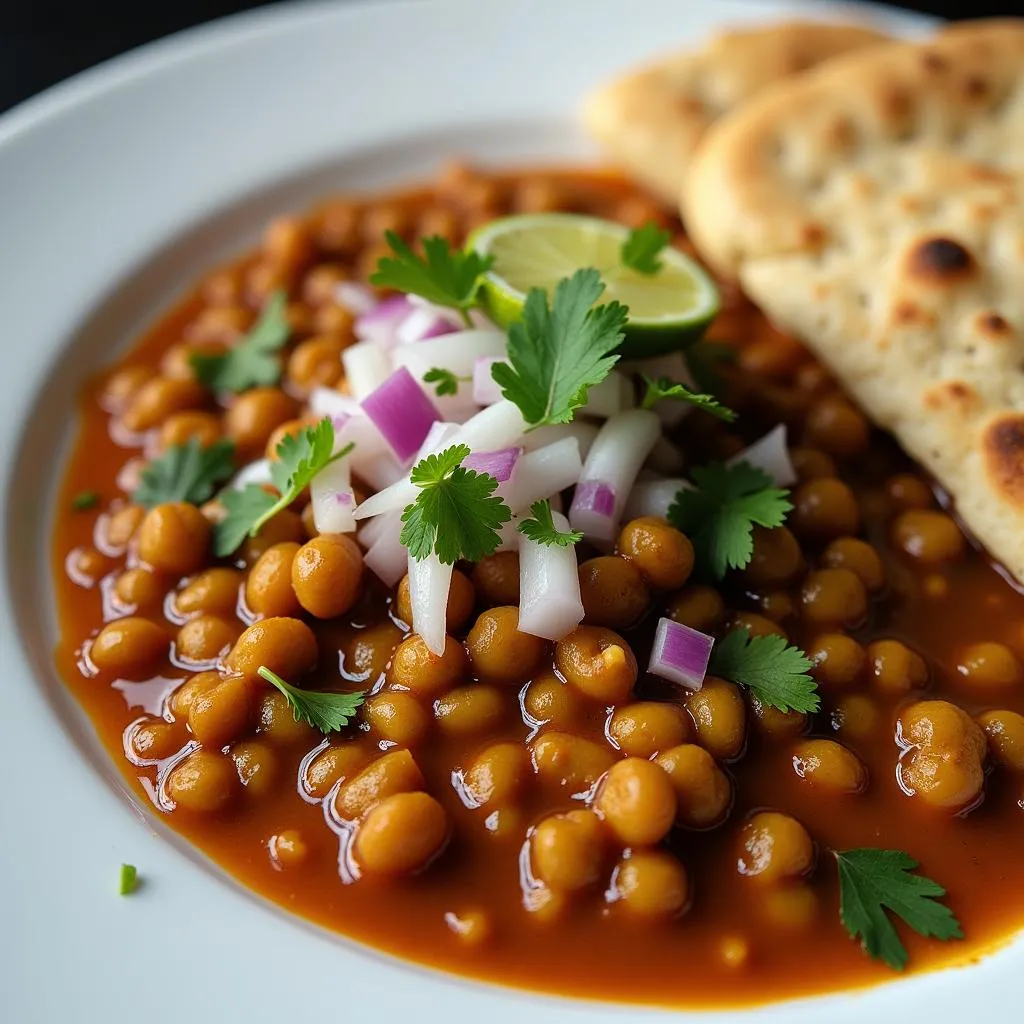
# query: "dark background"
[[44, 41]]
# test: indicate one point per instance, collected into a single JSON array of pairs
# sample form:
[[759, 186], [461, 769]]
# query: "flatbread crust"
[[875, 209], [651, 120]]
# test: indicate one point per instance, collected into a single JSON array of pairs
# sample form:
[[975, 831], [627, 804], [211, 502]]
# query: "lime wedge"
[[669, 310]]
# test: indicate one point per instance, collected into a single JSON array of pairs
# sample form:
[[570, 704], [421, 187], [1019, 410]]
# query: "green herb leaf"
[[541, 528], [328, 712], [557, 354], [641, 248], [446, 381], [85, 500], [665, 388], [185, 472], [129, 880], [253, 361], [454, 515], [705, 361], [773, 672], [299, 459], [719, 514], [871, 881], [442, 276]]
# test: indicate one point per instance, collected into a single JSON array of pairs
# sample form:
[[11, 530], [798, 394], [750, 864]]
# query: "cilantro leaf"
[[557, 354], [185, 472], [871, 881], [444, 277], [640, 249], [328, 712], [719, 514], [773, 672], [454, 515], [541, 528], [252, 362], [665, 388], [85, 500], [705, 361], [299, 458], [128, 881], [447, 382]]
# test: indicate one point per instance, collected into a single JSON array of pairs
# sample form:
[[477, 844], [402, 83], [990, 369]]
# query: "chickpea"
[[568, 850], [472, 927], [315, 363], [155, 740], [719, 718], [205, 638], [120, 526], [943, 763], [320, 284], [122, 385], [139, 590], [1005, 732], [859, 557], [703, 790], [437, 221], [836, 427], [824, 509], [415, 667], [223, 287], [329, 318], [776, 558], [131, 648], [287, 243], [279, 723], [335, 764], [613, 591], [792, 907], [336, 227], [461, 599], [777, 606], [638, 801], [598, 663], [812, 464], [644, 728], [257, 766], [989, 666], [855, 716], [281, 528], [571, 763], [549, 701], [368, 652], [326, 575], [160, 397], [254, 416], [698, 607], [837, 660], [496, 579], [223, 713], [174, 538], [395, 772], [268, 588], [831, 597], [263, 279], [498, 651], [651, 884], [214, 326], [285, 646], [397, 718], [289, 849], [774, 848], [663, 555], [213, 592], [185, 695], [756, 625], [289, 428], [895, 668], [470, 710], [829, 766], [927, 536], [498, 775], [402, 834], [202, 782], [774, 724], [906, 491]]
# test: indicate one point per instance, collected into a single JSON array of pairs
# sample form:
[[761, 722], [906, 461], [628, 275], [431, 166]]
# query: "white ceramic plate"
[[116, 190]]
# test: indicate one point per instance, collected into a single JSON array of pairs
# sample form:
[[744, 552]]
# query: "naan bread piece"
[[875, 209], [651, 120]]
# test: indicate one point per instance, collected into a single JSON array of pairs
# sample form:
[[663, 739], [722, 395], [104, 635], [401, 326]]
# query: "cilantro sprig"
[[454, 515], [185, 472], [641, 248], [778, 675], [253, 361], [872, 881], [327, 712], [447, 381], [128, 881], [656, 390], [558, 352], [719, 514], [541, 528], [299, 459], [443, 276]]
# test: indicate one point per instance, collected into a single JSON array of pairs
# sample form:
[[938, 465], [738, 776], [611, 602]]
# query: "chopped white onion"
[[328, 402], [585, 433], [422, 323], [771, 455], [457, 352], [330, 494], [608, 398], [257, 472], [358, 299], [549, 587], [486, 390], [542, 473], [653, 497], [509, 537], [371, 530], [680, 654], [366, 367], [429, 582], [379, 326], [386, 557]]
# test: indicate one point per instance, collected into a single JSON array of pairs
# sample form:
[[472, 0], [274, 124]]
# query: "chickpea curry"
[[663, 680]]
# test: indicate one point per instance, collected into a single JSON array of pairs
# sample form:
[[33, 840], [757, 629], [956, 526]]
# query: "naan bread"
[[875, 208], [651, 120]]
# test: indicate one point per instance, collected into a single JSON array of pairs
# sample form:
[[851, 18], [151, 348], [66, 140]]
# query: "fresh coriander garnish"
[[661, 388], [872, 881], [719, 514], [185, 472], [705, 361], [328, 712], [445, 277], [129, 880], [541, 528], [447, 382], [299, 459], [253, 361], [454, 515], [557, 354], [85, 500], [773, 672], [641, 248]]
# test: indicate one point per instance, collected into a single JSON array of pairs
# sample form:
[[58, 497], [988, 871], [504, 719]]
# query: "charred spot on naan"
[[991, 326], [1003, 452], [940, 261]]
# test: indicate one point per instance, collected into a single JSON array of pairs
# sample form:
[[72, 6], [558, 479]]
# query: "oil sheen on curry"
[[545, 784]]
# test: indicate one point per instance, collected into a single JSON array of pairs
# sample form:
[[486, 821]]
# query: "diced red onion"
[[771, 455], [257, 472], [653, 497], [595, 496], [358, 299], [386, 556], [499, 464], [542, 473], [549, 587], [608, 398], [379, 326], [330, 494], [422, 323], [429, 582], [366, 367], [456, 351], [680, 654], [585, 433], [486, 390], [402, 413]]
